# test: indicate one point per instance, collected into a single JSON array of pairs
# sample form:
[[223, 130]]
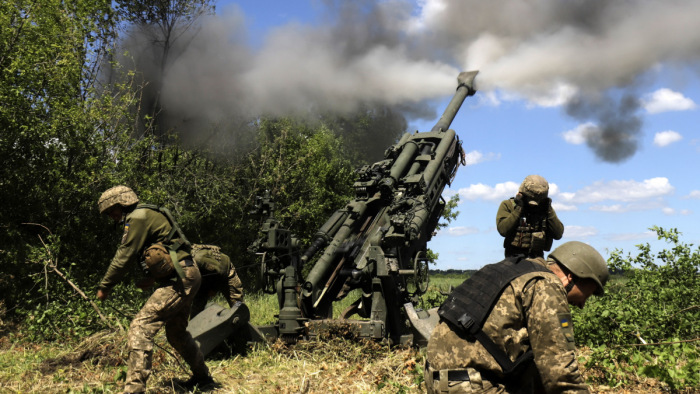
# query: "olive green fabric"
[[210, 258], [218, 276], [538, 219], [532, 313], [142, 228]]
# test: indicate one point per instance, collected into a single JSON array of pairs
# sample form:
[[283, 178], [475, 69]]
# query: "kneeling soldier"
[[508, 327]]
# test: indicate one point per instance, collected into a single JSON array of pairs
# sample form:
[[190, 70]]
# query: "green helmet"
[[118, 195], [583, 261]]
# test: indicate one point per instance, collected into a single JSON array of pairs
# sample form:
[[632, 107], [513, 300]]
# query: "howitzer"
[[377, 243]]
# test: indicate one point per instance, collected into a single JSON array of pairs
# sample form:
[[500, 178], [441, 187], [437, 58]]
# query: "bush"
[[647, 320]]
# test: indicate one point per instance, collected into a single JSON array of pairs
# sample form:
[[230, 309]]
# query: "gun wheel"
[[420, 277]]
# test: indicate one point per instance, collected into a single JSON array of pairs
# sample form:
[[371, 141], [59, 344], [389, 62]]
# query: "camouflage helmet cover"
[[535, 188], [583, 261], [118, 195]]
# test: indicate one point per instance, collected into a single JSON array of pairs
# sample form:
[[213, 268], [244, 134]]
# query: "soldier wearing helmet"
[[527, 221], [152, 238], [508, 327]]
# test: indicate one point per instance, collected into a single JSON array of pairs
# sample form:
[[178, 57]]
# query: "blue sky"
[[554, 80]]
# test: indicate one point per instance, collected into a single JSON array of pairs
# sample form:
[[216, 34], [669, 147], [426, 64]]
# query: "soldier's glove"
[[519, 201], [543, 206]]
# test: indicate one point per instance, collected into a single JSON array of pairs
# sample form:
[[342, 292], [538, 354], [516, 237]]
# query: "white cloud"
[[667, 137], [625, 191], [642, 205], [559, 207], [580, 134], [578, 232], [476, 157], [631, 236], [459, 231], [664, 100], [615, 196], [485, 192], [671, 211], [616, 208], [693, 194]]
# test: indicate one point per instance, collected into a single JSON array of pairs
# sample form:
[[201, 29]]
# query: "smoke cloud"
[[586, 55]]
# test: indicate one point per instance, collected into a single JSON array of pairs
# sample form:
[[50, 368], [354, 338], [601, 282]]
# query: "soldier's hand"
[[545, 206], [519, 200], [102, 294]]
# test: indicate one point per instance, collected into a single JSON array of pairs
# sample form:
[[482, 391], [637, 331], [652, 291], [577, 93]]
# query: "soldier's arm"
[[556, 227], [507, 216], [133, 240], [551, 336]]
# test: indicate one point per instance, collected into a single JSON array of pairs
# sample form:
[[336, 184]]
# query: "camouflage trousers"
[[168, 306], [454, 381], [231, 289]]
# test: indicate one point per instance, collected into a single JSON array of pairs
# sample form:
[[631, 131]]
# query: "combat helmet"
[[535, 188], [118, 195], [583, 261]]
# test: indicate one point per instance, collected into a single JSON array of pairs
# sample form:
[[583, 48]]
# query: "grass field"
[[97, 364]]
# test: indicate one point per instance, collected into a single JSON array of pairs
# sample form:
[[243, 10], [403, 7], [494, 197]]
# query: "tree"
[[58, 137], [166, 27]]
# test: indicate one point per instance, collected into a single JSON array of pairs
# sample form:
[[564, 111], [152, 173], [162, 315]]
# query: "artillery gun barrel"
[[464, 89]]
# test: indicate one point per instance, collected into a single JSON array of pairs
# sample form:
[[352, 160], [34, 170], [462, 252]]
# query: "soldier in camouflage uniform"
[[527, 221], [148, 235], [218, 275], [530, 315]]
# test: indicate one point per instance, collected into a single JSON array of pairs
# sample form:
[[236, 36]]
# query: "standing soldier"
[[152, 238], [508, 327], [528, 221], [218, 275]]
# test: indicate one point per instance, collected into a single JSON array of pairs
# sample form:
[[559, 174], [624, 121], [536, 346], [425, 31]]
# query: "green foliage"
[[54, 141], [647, 320]]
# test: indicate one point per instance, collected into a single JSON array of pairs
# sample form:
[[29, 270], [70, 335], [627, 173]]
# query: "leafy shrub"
[[647, 320]]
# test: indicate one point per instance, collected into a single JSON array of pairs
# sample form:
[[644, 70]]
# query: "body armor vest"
[[469, 305]]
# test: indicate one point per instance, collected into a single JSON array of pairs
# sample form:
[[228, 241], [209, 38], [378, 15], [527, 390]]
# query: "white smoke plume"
[[404, 54]]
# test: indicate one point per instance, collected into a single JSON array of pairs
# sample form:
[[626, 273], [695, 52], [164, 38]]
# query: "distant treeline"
[[452, 272]]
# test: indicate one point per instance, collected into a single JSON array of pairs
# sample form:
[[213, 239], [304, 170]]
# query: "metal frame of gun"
[[376, 243]]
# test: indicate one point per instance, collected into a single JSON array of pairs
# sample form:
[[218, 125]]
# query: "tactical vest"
[[469, 305], [208, 259], [530, 236], [156, 262]]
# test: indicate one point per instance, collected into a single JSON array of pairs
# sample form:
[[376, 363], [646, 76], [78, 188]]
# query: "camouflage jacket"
[[142, 228], [532, 313], [508, 220]]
